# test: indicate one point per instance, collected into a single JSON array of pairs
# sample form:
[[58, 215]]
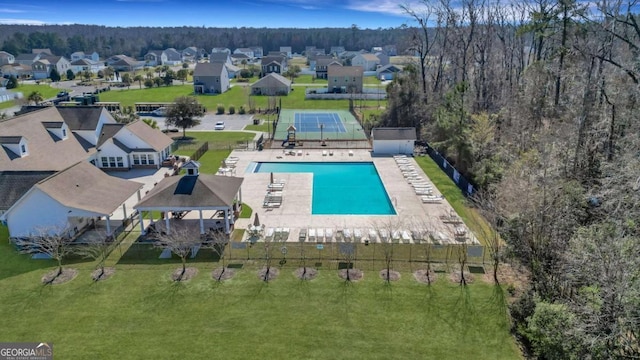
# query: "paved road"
[[231, 122]]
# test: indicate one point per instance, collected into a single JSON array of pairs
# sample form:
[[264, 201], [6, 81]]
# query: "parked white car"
[[219, 125]]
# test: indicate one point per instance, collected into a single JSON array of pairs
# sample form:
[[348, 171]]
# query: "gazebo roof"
[[291, 128], [203, 191]]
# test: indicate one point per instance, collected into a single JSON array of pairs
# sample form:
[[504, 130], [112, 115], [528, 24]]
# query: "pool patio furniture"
[[320, 232], [406, 237], [357, 235], [302, 236], [312, 234], [269, 233], [384, 235], [324, 152], [431, 199], [328, 235], [373, 236]]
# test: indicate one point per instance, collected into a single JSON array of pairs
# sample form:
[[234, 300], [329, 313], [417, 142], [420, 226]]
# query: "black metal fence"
[[462, 183]]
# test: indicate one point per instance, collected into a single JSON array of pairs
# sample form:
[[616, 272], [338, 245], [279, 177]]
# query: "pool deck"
[[295, 211]]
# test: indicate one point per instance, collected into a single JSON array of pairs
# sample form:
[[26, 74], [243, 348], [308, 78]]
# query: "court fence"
[[460, 181]]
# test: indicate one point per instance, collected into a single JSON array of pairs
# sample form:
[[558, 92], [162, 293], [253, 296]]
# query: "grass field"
[[454, 196], [45, 90], [140, 313], [211, 160], [236, 96]]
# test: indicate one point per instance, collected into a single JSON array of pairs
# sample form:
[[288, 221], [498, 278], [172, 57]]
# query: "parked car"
[[219, 125], [162, 111]]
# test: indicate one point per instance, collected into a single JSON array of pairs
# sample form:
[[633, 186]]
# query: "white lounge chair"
[[268, 234], [271, 205], [357, 235], [312, 235], [395, 236], [431, 199], [406, 237], [302, 235], [339, 235], [384, 236], [320, 233], [278, 234], [417, 235], [424, 192], [299, 152], [373, 236], [285, 234], [276, 187], [328, 235], [347, 235], [350, 152], [324, 152]]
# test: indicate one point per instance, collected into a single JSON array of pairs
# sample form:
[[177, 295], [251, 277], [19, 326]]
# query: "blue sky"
[[209, 13]]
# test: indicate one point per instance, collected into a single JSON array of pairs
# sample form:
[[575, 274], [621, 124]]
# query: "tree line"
[[536, 103], [137, 41]]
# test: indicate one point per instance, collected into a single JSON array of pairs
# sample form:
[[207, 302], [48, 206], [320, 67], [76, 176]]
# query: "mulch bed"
[[310, 274], [354, 274], [455, 277], [393, 275], [273, 274], [421, 276], [226, 275], [99, 275], [189, 273], [66, 275]]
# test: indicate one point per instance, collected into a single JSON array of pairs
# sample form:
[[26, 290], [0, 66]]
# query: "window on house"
[[23, 148], [112, 161], [151, 159], [104, 161], [136, 159], [143, 159], [64, 133], [119, 161]]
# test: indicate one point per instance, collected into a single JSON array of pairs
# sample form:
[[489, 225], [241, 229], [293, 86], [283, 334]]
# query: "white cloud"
[[390, 7], [21, 22], [10, 11]]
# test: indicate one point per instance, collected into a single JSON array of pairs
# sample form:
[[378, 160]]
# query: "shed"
[[396, 140]]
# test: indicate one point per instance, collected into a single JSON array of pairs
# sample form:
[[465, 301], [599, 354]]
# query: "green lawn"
[[26, 89], [454, 196], [236, 96], [140, 313]]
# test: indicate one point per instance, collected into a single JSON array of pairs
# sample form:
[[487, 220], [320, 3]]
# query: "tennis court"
[[319, 124]]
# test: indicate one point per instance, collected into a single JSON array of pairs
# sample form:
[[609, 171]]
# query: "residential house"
[[322, 66], [308, 49], [79, 55], [210, 78], [390, 50], [46, 172], [192, 54], [169, 56], [368, 62], [384, 59], [26, 59], [258, 52], [238, 59], [155, 58], [174, 57], [344, 79], [388, 72], [287, 50], [313, 59], [220, 49], [248, 52], [392, 141], [336, 50], [220, 57], [271, 84], [17, 70], [41, 69], [82, 65], [124, 63], [45, 51], [273, 64], [6, 58], [60, 63], [232, 70]]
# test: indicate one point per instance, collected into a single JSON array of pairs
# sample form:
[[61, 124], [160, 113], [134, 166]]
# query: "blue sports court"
[[318, 121]]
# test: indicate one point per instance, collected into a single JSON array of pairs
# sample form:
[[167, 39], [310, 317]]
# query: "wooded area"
[[535, 102], [137, 41]]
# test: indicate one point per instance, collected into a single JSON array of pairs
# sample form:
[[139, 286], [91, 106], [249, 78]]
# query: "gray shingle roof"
[[108, 131], [201, 191], [336, 70], [14, 184], [208, 69], [81, 118], [84, 186], [153, 137], [404, 133]]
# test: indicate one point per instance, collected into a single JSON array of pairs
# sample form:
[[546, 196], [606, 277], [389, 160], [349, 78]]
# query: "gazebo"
[[193, 192]]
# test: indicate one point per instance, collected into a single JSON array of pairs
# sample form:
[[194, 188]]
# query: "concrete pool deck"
[[295, 211]]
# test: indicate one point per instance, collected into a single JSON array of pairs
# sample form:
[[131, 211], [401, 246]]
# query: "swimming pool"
[[343, 188]]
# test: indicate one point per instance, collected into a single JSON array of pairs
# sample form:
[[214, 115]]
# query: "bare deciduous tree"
[[54, 242], [180, 242]]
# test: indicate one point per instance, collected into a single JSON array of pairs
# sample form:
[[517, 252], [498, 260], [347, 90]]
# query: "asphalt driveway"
[[231, 122]]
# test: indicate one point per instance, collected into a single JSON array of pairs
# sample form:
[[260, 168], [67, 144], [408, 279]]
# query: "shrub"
[[242, 110], [232, 109], [242, 80], [220, 109]]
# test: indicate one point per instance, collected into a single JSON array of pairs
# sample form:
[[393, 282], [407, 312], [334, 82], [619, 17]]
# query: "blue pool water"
[[340, 188]]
